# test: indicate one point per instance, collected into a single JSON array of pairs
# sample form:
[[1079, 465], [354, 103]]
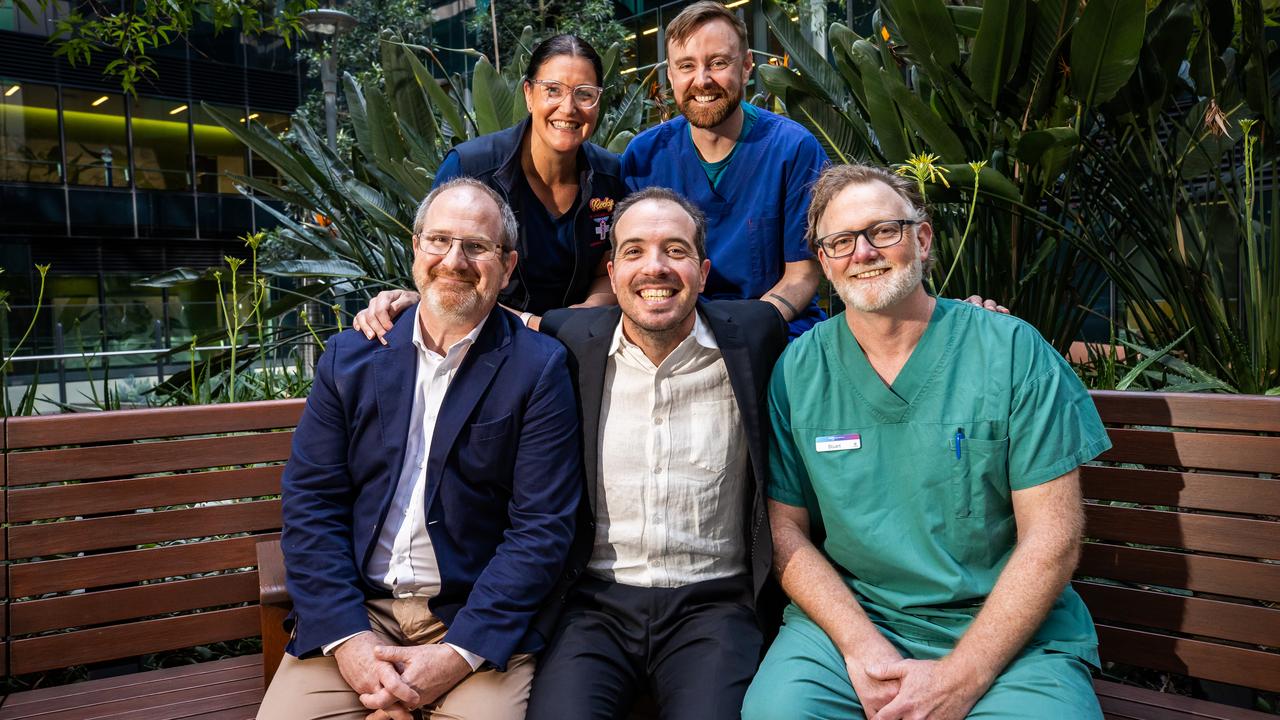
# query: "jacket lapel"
[[468, 386], [593, 355], [395, 372]]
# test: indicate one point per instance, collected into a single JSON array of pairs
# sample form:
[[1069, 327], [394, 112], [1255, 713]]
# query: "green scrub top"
[[918, 529]]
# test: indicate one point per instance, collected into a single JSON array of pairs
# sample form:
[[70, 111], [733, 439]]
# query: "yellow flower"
[[924, 169]]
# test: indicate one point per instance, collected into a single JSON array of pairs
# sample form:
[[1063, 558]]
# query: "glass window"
[[11, 18], [29, 147], [97, 153], [161, 149], [218, 152], [277, 124]]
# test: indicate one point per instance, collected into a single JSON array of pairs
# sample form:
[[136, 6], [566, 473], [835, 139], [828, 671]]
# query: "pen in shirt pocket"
[[959, 437]]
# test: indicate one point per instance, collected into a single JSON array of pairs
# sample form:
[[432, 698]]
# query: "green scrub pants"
[[803, 676]]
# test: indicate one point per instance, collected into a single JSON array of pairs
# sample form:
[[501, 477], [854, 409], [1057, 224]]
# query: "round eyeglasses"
[[879, 235], [554, 92], [473, 248]]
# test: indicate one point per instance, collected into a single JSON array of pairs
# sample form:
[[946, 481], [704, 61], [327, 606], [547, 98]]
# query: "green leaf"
[[884, 117], [997, 48], [492, 98], [619, 142], [966, 19], [1048, 148], [807, 60], [936, 134], [926, 27], [990, 181], [1149, 359], [411, 104], [440, 100], [172, 278], [1104, 48], [842, 138], [329, 267]]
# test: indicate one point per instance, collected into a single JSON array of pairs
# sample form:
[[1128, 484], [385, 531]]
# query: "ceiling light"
[[177, 110], [628, 71], [100, 100], [650, 31], [632, 36], [253, 116], [13, 89], [736, 3]]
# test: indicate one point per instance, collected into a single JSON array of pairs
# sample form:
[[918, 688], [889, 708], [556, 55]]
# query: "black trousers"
[[693, 648]]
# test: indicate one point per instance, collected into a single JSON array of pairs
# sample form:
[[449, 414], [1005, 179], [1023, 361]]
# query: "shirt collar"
[[463, 342], [701, 334]]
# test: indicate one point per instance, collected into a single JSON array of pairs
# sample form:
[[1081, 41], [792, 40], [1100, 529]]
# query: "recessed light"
[[100, 100], [12, 90], [650, 31], [177, 110]]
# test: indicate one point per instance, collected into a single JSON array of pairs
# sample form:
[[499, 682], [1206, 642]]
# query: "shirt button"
[[657, 470], [657, 421]]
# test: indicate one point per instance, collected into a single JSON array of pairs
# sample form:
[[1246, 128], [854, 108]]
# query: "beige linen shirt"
[[671, 482]]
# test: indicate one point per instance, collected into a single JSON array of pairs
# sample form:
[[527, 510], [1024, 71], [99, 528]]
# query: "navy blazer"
[[751, 335], [504, 477]]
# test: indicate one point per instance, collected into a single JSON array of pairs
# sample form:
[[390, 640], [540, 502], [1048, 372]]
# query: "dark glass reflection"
[[277, 124], [97, 153], [161, 149], [29, 147], [218, 152]]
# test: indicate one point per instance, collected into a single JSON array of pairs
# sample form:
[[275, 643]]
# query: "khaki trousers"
[[313, 689]]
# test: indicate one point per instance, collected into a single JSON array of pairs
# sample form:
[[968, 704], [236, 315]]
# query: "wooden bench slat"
[[1143, 703], [1208, 451], [95, 608], [1204, 533], [128, 566], [1190, 615], [140, 683], [118, 425], [1199, 573], [1200, 491], [87, 463], [147, 636], [1197, 658], [103, 496], [139, 528], [234, 702], [1188, 410]]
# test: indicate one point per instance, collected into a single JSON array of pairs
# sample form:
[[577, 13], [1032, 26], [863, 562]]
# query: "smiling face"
[[562, 127], [874, 279], [655, 271], [454, 287], [707, 73]]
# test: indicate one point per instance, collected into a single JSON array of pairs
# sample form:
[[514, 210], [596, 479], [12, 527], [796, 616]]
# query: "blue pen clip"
[[959, 437]]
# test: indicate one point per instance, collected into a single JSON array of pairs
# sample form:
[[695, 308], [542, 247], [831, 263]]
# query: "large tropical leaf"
[[439, 99], [805, 58], [1104, 48], [171, 278], [935, 133], [492, 97], [322, 268], [402, 87], [842, 138], [930, 36], [997, 47]]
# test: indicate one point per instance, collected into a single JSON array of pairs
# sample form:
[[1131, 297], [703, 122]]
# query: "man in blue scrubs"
[[932, 449], [747, 169]]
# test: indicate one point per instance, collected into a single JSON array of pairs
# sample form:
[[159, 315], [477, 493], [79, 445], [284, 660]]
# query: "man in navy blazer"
[[429, 500]]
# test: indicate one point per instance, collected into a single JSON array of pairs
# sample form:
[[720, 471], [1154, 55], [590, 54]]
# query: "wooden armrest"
[[271, 585]]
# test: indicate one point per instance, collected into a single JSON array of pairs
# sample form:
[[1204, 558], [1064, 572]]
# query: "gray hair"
[[836, 178], [510, 230]]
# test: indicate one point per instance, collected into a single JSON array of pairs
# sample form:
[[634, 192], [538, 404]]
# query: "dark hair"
[[662, 194], [563, 44]]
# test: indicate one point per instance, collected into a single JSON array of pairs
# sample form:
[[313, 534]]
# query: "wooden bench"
[[130, 533], [1179, 577]]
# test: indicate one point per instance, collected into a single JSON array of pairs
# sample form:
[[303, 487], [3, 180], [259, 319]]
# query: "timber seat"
[[130, 533]]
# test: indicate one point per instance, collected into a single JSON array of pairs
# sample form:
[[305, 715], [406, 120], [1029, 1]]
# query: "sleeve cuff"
[[328, 648], [474, 660]]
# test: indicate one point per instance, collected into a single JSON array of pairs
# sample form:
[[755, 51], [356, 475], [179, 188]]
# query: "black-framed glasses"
[[879, 235], [584, 96], [474, 248]]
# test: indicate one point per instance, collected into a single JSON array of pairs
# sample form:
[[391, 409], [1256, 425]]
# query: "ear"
[[705, 270], [512, 259], [748, 64], [612, 281], [924, 236], [528, 95]]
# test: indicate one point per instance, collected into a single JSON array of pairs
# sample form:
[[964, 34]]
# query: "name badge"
[[831, 443]]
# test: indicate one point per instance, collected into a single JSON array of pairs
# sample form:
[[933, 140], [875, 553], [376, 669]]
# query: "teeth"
[[656, 294], [871, 273], [565, 125], [705, 98]]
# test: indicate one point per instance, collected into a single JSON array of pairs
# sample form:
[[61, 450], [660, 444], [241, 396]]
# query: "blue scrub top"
[[755, 213]]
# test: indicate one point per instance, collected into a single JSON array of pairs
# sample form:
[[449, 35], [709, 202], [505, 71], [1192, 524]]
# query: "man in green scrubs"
[[924, 492]]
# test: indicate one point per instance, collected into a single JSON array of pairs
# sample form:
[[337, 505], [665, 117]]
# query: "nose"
[[703, 78], [455, 258], [655, 263], [863, 251]]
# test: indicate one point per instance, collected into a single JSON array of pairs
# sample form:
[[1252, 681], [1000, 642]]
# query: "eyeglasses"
[[473, 248], [584, 96], [880, 235]]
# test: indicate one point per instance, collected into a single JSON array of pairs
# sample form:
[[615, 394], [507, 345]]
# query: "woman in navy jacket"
[[561, 187]]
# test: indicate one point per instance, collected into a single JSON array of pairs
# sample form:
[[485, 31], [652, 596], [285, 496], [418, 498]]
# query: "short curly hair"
[[838, 177]]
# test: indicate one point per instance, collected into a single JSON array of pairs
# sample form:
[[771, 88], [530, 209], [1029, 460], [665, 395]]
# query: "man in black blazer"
[[673, 546]]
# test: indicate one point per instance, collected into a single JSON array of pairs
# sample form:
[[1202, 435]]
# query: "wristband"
[[783, 300], [524, 318]]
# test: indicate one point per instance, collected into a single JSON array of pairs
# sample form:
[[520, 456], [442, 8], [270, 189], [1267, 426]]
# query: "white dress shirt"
[[404, 560], [671, 483]]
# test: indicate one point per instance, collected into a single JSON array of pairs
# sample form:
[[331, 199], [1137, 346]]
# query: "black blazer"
[[751, 335]]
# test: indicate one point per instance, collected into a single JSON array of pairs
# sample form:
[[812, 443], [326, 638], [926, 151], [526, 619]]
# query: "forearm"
[[600, 293], [1027, 588], [795, 289], [810, 580]]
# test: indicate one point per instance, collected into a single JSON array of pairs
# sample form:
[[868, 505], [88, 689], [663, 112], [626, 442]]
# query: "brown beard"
[[701, 116]]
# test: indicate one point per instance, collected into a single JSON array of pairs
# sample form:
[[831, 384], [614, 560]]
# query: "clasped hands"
[[392, 680], [892, 688]]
